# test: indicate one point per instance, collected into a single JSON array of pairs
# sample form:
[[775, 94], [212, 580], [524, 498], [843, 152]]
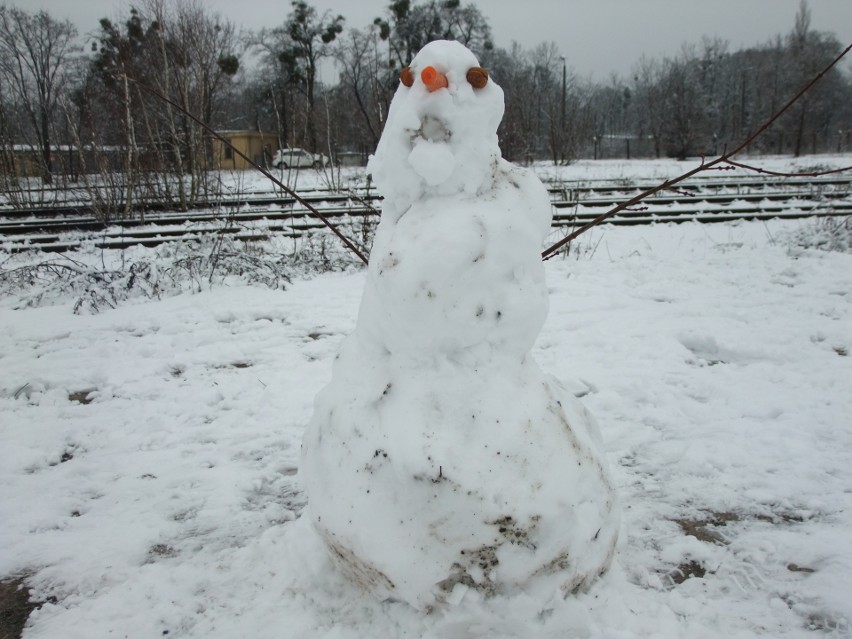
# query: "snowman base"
[[465, 494]]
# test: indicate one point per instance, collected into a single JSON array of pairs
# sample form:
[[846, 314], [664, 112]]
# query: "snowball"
[[432, 161]]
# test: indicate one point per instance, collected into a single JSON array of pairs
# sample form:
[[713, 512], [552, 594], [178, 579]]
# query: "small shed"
[[257, 145], [19, 160], [25, 160]]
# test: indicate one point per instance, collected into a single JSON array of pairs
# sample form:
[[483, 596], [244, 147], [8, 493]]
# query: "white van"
[[298, 158]]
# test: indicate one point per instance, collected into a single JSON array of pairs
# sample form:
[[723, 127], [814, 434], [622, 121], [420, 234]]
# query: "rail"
[[260, 215]]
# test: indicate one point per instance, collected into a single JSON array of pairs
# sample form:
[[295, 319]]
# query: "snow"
[[166, 472], [625, 172], [713, 360], [441, 462]]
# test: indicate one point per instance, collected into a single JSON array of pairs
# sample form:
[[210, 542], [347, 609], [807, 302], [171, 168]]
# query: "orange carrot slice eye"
[[433, 79]]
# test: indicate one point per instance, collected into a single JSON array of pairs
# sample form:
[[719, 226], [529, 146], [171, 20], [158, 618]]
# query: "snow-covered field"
[[608, 170], [149, 454], [626, 171]]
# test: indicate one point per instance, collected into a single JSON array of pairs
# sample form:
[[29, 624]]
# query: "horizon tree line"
[[60, 92]]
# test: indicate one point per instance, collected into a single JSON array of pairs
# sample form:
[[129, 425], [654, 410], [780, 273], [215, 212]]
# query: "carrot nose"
[[433, 79]]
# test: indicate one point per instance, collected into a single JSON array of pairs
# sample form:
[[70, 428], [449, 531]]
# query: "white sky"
[[598, 37]]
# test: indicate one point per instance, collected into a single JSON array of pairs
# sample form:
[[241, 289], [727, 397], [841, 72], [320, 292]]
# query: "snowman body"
[[440, 458]]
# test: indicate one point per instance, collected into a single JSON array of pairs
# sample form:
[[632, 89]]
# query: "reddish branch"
[[682, 193], [723, 162], [349, 244], [757, 169]]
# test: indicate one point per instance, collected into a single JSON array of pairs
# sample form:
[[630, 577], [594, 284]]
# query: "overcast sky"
[[598, 37]]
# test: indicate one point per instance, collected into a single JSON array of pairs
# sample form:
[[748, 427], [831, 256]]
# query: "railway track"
[[69, 226]]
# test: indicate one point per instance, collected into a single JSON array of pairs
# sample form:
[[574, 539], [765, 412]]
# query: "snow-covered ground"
[[149, 454], [664, 168]]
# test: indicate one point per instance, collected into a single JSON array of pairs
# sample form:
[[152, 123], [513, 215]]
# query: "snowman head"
[[440, 137]]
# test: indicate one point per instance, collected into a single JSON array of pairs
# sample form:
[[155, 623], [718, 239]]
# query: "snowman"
[[441, 462]]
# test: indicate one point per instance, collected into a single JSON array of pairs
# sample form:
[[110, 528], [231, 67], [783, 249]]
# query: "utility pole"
[[562, 123], [564, 73]]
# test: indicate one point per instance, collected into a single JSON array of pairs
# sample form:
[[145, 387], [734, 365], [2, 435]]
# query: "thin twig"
[[757, 169], [551, 251], [724, 160], [349, 244], [353, 195], [681, 192], [37, 267]]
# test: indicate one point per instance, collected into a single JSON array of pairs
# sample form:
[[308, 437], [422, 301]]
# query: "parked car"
[[298, 158]]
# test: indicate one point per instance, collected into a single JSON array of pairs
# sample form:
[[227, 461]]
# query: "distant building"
[[24, 160], [257, 145], [20, 160]]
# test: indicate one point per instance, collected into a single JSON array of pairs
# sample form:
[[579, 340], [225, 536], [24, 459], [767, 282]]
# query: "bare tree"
[[360, 78], [685, 128], [185, 53], [546, 105], [408, 28], [35, 53], [810, 51], [648, 91], [297, 48]]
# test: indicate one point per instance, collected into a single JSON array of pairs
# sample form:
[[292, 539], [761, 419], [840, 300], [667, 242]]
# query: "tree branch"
[[346, 241], [757, 169]]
